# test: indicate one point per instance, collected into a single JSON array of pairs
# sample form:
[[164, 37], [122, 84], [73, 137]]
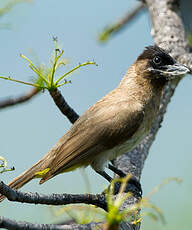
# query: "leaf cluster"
[[4, 166], [116, 214], [45, 75]]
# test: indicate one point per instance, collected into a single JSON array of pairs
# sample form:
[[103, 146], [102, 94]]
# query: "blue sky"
[[30, 130]]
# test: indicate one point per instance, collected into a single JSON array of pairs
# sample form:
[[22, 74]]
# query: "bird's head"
[[155, 62]]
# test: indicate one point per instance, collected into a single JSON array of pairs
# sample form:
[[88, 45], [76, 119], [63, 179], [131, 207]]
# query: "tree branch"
[[20, 225], [63, 106], [116, 27], [21, 99], [53, 199], [168, 32], [165, 17]]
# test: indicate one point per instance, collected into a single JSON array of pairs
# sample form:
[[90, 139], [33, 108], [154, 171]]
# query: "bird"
[[112, 126]]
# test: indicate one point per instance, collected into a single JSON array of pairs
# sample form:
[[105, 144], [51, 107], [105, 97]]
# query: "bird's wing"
[[103, 126]]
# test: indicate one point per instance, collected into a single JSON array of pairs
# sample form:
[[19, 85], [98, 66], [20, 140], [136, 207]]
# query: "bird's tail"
[[38, 170], [27, 176]]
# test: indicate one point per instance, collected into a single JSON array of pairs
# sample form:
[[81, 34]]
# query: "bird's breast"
[[150, 111], [101, 161]]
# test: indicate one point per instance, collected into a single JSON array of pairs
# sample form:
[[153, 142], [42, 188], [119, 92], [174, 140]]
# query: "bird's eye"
[[157, 60]]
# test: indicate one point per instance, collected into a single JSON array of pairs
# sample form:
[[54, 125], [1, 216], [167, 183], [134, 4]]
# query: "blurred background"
[[29, 130]]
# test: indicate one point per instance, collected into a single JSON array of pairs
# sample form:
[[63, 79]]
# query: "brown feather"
[[26, 176], [112, 126], [100, 128]]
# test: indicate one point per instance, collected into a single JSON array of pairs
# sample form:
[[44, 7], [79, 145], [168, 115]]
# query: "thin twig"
[[20, 99], [63, 106], [120, 24], [53, 199]]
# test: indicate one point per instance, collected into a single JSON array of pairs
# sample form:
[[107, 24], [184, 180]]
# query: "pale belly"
[[101, 160]]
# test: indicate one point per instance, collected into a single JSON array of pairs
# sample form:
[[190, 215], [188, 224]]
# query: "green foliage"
[[4, 166], [189, 38], [107, 33], [46, 74], [7, 7], [83, 214]]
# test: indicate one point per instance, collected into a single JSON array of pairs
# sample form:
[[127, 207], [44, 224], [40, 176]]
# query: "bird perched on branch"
[[114, 125]]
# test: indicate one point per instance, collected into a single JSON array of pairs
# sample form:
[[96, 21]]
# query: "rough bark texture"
[[53, 199], [168, 33]]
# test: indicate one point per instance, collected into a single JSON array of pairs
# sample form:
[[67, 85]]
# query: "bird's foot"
[[133, 185], [134, 188]]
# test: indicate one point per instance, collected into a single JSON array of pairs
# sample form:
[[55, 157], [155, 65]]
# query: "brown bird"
[[114, 125]]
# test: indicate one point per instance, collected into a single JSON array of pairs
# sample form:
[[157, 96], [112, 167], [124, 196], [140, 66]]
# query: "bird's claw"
[[133, 186]]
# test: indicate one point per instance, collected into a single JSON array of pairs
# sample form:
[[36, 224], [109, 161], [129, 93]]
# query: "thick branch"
[[168, 32], [20, 225], [53, 199], [165, 17], [20, 99], [63, 106]]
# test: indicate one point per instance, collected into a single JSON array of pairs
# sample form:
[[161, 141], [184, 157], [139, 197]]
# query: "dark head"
[[157, 63]]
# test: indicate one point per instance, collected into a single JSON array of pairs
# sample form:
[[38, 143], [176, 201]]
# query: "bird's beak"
[[175, 70], [171, 71]]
